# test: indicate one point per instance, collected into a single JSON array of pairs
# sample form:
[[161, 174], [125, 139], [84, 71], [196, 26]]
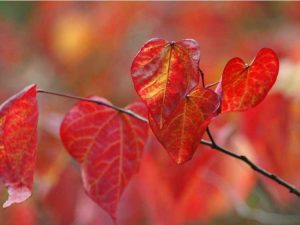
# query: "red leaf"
[[163, 73], [182, 132], [244, 86], [108, 145], [18, 143]]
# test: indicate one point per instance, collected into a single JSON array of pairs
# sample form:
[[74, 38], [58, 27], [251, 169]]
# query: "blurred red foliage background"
[[87, 49]]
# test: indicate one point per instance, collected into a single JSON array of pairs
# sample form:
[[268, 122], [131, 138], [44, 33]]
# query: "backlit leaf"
[[18, 143], [108, 145], [182, 132], [243, 86], [163, 73]]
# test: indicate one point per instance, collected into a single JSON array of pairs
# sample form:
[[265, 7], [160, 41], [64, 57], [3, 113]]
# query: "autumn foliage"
[[108, 144], [158, 160]]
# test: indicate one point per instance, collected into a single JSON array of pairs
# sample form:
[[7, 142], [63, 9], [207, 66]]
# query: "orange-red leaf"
[[182, 132], [108, 145], [244, 86], [163, 73], [18, 143]]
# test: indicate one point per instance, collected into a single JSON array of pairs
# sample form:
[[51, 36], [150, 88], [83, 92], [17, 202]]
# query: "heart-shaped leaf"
[[244, 86], [108, 145], [182, 132], [163, 73], [18, 143]]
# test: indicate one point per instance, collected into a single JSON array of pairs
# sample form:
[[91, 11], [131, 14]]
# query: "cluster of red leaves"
[[166, 76], [108, 144]]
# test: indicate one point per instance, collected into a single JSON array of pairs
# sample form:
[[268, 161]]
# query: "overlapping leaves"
[[108, 144], [163, 73], [183, 130], [166, 77]]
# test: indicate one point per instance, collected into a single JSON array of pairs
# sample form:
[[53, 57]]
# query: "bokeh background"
[[86, 48]]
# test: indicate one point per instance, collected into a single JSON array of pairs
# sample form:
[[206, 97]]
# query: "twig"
[[128, 112], [202, 77], [210, 136], [251, 164], [244, 210], [210, 143]]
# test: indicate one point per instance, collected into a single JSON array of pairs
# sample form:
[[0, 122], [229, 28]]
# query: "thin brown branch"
[[202, 77], [210, 136], [243, 210], [128, 112], [251, 164], [210, 143]]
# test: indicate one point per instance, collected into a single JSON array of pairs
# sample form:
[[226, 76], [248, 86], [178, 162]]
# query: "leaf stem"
[[210, 136], [211, 85], [203, 81], [202, 77], [210, 143], [251, 164]]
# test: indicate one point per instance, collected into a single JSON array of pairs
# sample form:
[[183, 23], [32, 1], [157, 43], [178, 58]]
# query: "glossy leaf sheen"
[[182, 132], [108, 145], [163, 73], [18, 143], [244, 86]]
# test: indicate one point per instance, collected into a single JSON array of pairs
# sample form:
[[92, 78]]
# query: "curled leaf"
[[244, 86], [108, 145], [163, 73], [182, 132], [18, 143]]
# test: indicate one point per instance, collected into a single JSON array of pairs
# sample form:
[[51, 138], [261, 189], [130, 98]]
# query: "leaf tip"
[[179, 160], [17, 195], [31, 89]]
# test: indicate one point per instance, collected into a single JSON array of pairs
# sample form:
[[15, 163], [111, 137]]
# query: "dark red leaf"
[[182, 132], [243, 86], [18, 143], [108, 145], [163, 73]]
